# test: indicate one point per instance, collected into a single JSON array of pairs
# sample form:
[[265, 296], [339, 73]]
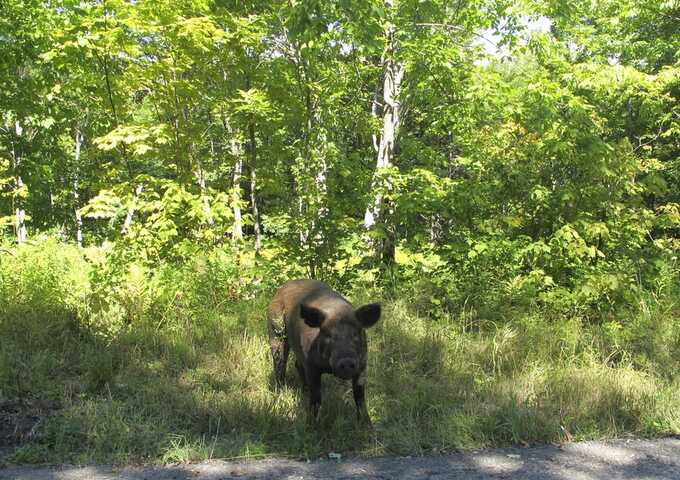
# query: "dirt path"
[[619, 459]]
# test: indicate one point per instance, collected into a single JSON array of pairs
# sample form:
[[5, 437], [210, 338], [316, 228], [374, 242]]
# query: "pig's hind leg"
[[301, 373], [278, 342]]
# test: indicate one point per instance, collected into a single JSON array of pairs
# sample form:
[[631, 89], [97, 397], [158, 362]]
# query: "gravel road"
[[617, 459]]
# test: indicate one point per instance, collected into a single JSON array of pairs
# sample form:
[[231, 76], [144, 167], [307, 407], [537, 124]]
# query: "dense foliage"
[[548, 168], [510, 168]]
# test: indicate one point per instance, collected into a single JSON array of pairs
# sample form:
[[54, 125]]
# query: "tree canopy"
[[499, 155]]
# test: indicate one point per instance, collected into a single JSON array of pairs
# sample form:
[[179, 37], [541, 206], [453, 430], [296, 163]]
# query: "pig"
[[327, 335]]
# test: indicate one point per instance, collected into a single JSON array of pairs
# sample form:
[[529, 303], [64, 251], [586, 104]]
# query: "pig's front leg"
[[359, 391], [314, 384]]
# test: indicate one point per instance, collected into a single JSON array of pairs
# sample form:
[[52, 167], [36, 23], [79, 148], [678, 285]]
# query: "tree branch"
[[447, 26], [654, 139]]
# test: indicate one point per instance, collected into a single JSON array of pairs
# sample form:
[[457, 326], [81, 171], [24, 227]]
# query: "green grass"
[[168, 377]]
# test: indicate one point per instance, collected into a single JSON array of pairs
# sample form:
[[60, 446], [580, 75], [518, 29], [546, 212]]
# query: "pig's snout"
[[346, 368]]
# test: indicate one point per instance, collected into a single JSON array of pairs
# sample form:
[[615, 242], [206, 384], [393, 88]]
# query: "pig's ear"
[[368, 315], [312, 316]]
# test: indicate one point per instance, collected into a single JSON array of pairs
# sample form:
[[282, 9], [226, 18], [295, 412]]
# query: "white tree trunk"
[[200, 180], [76, 196], [320, 181], [393, 72], [131, 209], [253, 187], [236, 200], [19, 212], [237, 152], [20, 216], [374, 114], [256, 214], [391, 111]]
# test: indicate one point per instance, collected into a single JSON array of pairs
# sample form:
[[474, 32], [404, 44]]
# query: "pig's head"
[[342, 340]]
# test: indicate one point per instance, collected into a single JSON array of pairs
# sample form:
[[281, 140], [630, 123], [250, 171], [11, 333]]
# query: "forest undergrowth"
[[171, 364]]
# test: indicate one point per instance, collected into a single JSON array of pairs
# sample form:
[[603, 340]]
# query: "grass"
[[172, 377]]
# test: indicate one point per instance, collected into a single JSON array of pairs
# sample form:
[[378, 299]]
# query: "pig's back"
[[291, 293]]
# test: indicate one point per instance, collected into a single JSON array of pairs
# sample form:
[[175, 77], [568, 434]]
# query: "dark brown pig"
[[327, 335]]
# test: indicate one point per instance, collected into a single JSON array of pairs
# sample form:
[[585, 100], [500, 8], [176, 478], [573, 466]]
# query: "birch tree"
[[253, 188], [237, 154], [19, 187], [389, 113], [78, 142]]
